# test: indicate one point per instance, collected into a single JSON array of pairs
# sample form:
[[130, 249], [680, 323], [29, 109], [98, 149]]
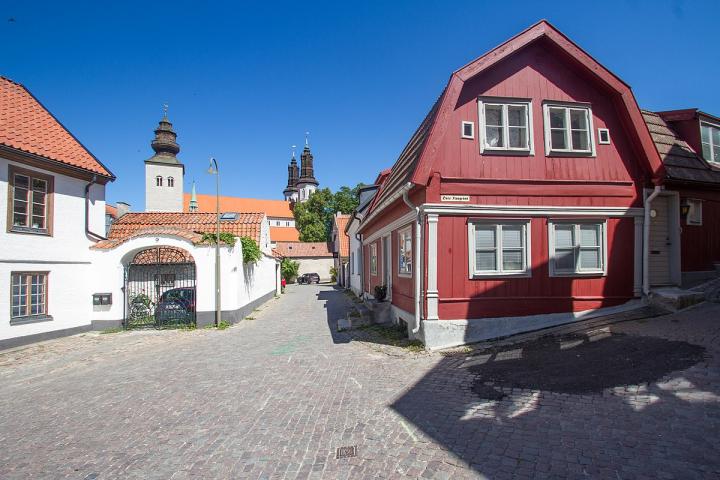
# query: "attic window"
[[603, 136], [230, 216], [710, 137], [468, 130]]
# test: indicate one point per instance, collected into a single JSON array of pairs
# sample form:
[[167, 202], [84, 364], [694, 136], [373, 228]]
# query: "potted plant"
[[380, 293]]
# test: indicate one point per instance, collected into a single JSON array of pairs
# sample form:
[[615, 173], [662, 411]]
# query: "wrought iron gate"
[[160, 289]]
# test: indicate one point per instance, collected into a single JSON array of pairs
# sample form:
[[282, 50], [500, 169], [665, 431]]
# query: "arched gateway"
[[160, 289]]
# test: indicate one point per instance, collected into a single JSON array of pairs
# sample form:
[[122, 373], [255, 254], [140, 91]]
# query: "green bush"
[[289, 269], [250, 249], [333, 274], [225, 237]]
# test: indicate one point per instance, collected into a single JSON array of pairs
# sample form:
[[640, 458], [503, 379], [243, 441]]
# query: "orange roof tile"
[[111, 210], [26, 125], [271, 208], [303, 249], [246, 224], [341, 222], [284, 234]]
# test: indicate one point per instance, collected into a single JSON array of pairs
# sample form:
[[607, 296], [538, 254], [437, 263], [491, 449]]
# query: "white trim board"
[[531, 210], [390, 227]]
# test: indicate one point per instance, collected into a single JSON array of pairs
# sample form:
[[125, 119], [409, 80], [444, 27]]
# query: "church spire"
[[307, 171], [165, 144], [193, 207], [291, 191]]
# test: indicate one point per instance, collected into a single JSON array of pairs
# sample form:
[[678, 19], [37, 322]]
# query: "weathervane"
[[293, 151], [165, 109], [307, 134]]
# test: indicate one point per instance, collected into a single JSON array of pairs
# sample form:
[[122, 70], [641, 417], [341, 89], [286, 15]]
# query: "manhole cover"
[[346, 452]]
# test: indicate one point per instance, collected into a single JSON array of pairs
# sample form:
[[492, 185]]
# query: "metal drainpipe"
[[359, 261], [416, 260], [87, 210], [646, 240]]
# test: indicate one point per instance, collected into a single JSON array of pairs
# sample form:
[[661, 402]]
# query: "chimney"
[[122, 208]]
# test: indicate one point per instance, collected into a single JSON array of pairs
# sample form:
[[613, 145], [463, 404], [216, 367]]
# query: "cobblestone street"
[[276, 395]]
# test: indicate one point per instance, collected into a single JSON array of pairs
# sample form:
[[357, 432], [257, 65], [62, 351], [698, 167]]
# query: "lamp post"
[[214, 170]]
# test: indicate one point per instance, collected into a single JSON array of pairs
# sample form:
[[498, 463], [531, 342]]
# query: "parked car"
[[175, 304], [309, 278]]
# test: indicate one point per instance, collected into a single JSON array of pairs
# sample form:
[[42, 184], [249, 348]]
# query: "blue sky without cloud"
[[245, 80]]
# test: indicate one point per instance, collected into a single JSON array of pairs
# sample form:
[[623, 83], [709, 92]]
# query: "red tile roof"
[[341, 222], [111, 210], [303, 249], [284, 234], [246, 224], [271, 208], [26, 125]]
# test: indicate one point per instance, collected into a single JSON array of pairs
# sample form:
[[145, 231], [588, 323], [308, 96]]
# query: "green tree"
[[289, 269], [313, 218]]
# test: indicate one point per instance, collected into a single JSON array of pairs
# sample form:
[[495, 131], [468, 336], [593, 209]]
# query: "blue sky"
[[245, 80]]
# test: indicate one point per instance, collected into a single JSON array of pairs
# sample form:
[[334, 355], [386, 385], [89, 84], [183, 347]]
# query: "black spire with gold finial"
[[293, 175], [165, 144], [307, 172]]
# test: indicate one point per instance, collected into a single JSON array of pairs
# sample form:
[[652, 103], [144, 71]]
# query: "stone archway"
[[160, 289]]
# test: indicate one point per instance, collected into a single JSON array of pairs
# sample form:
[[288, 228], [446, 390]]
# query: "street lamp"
[[214, 170]]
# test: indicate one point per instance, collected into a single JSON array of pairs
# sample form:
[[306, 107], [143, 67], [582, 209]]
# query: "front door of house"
[[660, 242], [387, 265]]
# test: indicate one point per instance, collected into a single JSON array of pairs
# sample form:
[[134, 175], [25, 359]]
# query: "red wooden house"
[[530, 187]]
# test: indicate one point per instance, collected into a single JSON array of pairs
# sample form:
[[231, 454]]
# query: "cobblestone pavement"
[[275, 396]]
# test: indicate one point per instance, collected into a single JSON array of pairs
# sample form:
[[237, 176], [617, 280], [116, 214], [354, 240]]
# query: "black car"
[[176, 305], [309, 278]]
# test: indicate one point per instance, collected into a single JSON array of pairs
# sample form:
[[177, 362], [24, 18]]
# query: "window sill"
[[507, 152], [404, 275], [30, 319], [30, 231], [555, 153], [578, 274], [491, 275]]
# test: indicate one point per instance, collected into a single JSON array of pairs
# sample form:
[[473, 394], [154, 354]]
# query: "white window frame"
[[600, 136], [472, 130], [505, 102], [712, 148], [578, 272], [568, 130], [373, 259], [407, 231], [695, 214], [499, 272]]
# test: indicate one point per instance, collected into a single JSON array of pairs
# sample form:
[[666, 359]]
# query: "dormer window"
[[158, 181], [505, 125], [171, 182], [710, 137], [568, 129]]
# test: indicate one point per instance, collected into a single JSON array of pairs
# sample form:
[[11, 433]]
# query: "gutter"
[[360, 261], [646, 239], [90, 234], [416, 251]]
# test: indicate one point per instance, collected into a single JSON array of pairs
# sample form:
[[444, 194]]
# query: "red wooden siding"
[[700, 244], [462, 297], [540, 73]]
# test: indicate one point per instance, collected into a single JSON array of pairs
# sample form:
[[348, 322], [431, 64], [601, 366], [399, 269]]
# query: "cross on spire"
[[307, 134], [165, 109], [293, 151]]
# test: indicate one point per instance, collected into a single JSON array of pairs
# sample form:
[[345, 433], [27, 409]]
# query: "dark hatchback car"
[[308, 278], [176, 304]]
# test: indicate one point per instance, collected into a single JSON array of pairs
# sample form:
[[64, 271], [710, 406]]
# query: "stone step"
[[674, 299]]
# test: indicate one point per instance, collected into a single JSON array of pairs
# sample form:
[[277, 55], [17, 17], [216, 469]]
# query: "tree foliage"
[[289, 269], [250, 250], [314, 217], [225, 237]]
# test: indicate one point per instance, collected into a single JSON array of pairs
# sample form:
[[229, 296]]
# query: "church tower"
[[306, 183], [164, 172], [291, 191]]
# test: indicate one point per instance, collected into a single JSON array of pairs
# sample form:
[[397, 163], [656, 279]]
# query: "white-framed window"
[[373, 259], [505, 125], [568, 129], [158, 181], [499, 248], [603, 136], [405, 252], [467, 130], [694, 215], [577, 247], [28, 294], [710, 138], [170, 182]]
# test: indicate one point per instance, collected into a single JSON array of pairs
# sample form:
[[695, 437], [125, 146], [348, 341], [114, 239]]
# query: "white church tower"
[[164, 172]]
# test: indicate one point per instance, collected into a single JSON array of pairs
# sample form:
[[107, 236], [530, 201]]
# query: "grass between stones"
[[394, 335]]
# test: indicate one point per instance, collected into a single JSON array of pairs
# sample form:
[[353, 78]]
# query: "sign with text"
[[455, 198]]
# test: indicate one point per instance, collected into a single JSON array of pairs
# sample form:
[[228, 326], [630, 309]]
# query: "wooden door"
[[660, 243]]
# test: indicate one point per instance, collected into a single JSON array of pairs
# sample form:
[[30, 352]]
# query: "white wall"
[[321, 266], [65, 255], [163, 199], [356, 250]]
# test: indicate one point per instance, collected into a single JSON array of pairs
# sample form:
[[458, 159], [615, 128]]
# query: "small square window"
[[468, 130], [603, 136]]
